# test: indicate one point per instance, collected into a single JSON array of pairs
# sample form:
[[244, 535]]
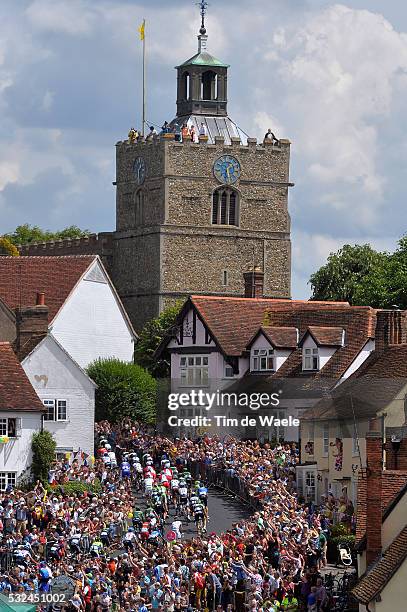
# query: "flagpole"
[[144, 80]]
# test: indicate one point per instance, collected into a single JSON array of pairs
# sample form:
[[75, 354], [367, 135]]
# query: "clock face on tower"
[[139, 170], [227, 169]]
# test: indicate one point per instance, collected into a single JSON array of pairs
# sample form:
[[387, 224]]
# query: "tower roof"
[[204, 59]]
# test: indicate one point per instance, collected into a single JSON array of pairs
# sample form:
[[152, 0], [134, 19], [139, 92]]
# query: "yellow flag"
[[142, 30]]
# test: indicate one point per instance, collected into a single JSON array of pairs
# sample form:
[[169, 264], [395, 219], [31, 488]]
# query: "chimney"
[[374, 467], [31, 323], [391, 328], [253, 283]]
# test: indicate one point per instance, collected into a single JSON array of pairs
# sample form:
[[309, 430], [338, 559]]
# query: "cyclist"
[[176, 527], [129, 539], [199, 517], [203, 497], [137, 518], [183, 496]]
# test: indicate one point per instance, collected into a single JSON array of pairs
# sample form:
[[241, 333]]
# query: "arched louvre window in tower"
[[225, 207]]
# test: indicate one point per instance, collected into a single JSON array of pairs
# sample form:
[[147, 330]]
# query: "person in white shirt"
[[176, 527], [203, 130]]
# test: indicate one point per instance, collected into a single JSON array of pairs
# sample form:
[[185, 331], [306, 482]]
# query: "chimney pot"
[[40, 298]]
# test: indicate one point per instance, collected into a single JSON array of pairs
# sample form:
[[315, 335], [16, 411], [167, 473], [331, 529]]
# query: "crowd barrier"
[[224, 479], [6, 561]]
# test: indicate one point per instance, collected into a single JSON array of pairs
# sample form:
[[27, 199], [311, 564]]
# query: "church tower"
[[192, 217]]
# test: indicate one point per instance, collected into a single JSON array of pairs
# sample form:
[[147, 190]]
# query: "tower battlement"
[[95, 244]]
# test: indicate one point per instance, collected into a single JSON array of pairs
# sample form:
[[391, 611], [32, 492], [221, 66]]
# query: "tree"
[[340, 279], [7, 247], [151, 337], [43, 448], [24, 234], [364, 277], [124, 390]]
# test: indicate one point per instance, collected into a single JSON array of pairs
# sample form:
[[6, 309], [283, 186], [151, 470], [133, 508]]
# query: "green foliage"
[[345, 539], [150, 338], [75, 487], [43, 448], [24, 234], [7, 247], [339, 530], [362, 276], [124, 390]]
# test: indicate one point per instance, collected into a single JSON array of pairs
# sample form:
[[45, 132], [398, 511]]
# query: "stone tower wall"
[[176, 250]]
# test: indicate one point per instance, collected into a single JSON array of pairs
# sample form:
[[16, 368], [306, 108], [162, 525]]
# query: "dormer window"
[[262, 360], [310, 359]]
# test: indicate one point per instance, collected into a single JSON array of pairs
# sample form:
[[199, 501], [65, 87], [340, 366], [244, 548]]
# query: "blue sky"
[[331, 77]]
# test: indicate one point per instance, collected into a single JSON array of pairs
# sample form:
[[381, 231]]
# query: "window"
[[7, 479], [225, 207], [310, 359], [56, 410], [194, 370], [325, 439], [139, 208], [262, 360], [10, 427], [355, 442], [309, 485], [225, 278], [229, 371]]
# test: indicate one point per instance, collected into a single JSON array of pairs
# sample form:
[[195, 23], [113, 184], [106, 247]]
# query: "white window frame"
[[261, 359], [55, 404], [310, 490], [310, 359], [194, 370], [6, 479], [5, 428], [325, 439]]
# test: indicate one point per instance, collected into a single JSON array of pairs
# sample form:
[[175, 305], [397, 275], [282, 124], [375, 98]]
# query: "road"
[[223, 511]]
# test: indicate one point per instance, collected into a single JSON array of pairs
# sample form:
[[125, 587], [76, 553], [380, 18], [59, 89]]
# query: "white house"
[[85, 316], [21, 414], [67, 393], [260, 345]]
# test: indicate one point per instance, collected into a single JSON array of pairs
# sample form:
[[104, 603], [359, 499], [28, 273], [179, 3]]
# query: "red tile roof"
[[22, 277], [326, 336], [16, 391], [393, 482], [378, 380], [234, 321], [376, 578], [279, 337]]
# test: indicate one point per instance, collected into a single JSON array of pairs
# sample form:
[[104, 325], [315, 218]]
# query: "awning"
[[6, 605]]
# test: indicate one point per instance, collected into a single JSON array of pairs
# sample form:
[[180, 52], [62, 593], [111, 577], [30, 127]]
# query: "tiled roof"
[[376, 578], [16, 391], [280, 337], [22, 277], [392, 483], [379, 379], [234, 321], [326, 336]]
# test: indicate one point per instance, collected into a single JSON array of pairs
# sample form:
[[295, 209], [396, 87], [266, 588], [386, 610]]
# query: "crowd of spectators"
[[269, 562]]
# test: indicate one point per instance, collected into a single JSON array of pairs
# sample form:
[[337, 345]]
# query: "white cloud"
[[48, 100], [9, 173], [69, 17], [341, 69]]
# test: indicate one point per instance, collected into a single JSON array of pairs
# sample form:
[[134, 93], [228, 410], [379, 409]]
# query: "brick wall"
[[396, 460]]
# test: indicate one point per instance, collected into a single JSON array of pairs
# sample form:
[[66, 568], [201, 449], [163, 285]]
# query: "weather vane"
[[203, 5]]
